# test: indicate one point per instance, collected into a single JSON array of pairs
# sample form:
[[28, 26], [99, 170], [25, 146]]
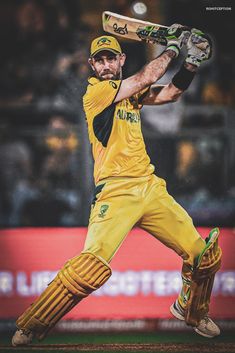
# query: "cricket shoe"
[[22, 338], [206, 326]]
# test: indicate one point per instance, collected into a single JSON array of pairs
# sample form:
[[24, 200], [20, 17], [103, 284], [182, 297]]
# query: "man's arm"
[[199, 49], [150, 73], [154, 70], [161, 94]]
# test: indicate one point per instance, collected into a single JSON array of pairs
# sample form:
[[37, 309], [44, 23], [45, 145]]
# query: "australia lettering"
[[128, 116]]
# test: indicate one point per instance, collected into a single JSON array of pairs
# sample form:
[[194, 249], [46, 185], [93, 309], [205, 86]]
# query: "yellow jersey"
[[115, 131]]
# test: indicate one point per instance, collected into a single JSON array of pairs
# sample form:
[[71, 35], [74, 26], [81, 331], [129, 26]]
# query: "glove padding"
[[176, 36], [199, 46]]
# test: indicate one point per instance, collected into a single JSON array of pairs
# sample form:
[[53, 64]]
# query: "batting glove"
[[176, 36], [199, 47]]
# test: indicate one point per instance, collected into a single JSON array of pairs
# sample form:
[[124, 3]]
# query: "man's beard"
[[114, 77]]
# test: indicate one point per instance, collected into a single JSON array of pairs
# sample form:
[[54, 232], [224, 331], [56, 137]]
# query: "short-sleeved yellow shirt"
[[115, 132]]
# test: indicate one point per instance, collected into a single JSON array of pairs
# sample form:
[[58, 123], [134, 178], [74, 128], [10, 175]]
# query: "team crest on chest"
[[103, 210]]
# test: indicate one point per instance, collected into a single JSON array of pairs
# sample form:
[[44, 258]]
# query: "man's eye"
[[98, 60]]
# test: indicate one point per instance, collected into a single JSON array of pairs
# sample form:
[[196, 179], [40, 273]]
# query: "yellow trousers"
[[122, 203]]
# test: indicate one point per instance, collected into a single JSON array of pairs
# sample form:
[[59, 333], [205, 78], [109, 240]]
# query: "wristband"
[[183, 78], [174, 48]]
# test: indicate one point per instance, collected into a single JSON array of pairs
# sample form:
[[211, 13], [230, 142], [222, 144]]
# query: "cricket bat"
[[132, 28]]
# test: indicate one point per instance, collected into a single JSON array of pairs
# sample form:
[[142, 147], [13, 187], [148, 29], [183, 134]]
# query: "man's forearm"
[[169, 93], [148, 75], [162, 95], [154, 70]]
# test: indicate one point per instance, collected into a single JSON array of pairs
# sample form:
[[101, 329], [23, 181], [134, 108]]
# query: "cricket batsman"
[[127, 192]]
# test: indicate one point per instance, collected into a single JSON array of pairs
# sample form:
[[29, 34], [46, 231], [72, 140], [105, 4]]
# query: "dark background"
[[46, 165]]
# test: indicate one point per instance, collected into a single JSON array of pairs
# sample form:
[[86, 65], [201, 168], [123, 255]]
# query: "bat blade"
[[134, 29]]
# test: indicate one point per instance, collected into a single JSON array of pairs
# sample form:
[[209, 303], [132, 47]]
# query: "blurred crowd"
[[43, 73], [40, 181], [45, 45]]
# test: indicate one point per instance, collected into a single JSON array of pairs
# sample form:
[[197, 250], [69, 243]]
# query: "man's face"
[[107, 65]]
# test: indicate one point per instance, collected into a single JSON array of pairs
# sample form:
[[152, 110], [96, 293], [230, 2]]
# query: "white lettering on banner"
[[131, 283], [227, 283], [6, 283], [38, 282], [159, 283], [126, 283]]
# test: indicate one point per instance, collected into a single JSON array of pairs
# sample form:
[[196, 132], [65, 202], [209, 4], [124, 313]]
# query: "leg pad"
[[207, 264], [79, 277]]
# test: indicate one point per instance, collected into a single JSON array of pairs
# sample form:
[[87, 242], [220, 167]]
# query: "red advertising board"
[[145, 281]]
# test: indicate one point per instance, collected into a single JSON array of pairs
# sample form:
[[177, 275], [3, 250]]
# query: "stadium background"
[[46, 167]]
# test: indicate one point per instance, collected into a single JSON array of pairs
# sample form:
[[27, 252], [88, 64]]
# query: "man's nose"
[[106, 64]]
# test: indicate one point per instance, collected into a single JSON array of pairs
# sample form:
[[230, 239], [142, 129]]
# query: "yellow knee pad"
[[79, 277]]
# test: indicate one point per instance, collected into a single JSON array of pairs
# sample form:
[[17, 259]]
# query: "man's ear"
[[91, 65], [122, 59]]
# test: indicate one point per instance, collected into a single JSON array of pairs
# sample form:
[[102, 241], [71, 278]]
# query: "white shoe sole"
[[178, 316], [203, 334]]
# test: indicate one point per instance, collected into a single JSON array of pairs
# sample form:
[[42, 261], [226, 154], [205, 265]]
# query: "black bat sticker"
[[120, 30]]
